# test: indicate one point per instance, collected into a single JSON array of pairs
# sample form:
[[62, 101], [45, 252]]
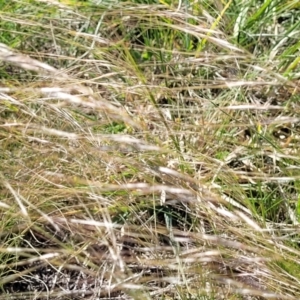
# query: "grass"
[[149, 150]]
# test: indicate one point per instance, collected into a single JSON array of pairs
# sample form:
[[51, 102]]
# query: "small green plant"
[[114, 128]]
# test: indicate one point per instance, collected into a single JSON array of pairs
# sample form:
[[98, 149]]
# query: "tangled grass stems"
[[149, 151]]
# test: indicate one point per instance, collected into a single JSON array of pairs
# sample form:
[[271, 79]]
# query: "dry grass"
[[147, 153]]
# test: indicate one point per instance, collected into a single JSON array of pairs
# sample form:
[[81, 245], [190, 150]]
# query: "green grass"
[[149, 150]]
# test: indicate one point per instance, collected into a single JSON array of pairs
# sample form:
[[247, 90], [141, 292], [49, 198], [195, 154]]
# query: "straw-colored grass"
[[149, 150]]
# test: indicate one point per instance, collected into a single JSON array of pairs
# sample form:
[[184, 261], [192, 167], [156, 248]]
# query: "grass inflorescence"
[[149, 150]]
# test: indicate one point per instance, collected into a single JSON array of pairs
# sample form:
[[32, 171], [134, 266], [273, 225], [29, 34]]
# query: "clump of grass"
[[149, 150]]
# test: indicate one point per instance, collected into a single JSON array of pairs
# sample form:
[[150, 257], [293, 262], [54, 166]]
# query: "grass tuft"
[[149, 150]]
